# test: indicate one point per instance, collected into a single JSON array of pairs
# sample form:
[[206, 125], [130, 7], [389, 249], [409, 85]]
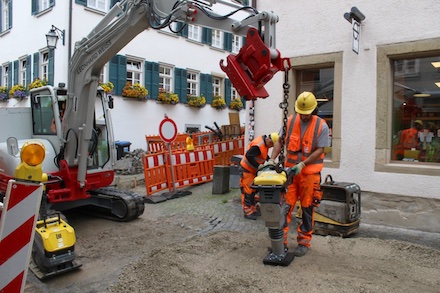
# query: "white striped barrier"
[[17, 226]]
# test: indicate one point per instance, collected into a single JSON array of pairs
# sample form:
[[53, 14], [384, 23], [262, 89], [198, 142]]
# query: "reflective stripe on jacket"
[[259, 142], [299, 149]]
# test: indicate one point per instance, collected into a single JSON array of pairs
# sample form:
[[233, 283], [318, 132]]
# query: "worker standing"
[[189, 143], [253, 160], [305, 139]]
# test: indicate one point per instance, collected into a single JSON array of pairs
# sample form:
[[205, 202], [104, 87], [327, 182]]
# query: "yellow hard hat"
[[274, 137], [305, 103], [419, 122]]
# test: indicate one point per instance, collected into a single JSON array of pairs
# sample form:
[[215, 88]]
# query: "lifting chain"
[[284, 105]]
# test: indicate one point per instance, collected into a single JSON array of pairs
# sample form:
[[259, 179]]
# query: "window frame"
[[192, 84], [22, 71], [163, 76], [217, 39], [194, 32], [96, 6], [5, 75], [384, 105], [139, 71], [217, 87], [5, 14], [237, 43], [44, 65]]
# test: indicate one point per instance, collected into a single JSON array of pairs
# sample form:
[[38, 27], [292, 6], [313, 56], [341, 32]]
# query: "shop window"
[[416, 110], [320, 81]]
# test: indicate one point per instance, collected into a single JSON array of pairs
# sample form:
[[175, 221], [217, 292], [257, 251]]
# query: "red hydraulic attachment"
[[253, 67]]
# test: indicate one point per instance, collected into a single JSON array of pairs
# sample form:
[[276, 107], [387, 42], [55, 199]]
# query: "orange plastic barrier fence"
[[155, 172]]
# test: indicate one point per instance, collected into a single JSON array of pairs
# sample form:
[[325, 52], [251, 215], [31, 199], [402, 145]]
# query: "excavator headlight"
[[33, 153]]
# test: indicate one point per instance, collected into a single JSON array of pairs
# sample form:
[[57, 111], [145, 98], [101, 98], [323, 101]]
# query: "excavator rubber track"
[[117, 205]]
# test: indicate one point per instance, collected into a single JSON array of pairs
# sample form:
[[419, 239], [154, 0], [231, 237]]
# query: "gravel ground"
[[202, 243]]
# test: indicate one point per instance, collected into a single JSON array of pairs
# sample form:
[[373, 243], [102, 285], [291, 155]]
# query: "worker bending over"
[[306, 137], [253, 160]]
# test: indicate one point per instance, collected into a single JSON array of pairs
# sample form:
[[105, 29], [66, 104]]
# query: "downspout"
[[69, 41]]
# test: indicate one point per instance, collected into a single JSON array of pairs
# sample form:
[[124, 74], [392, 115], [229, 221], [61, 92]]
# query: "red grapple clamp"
[[252, 67]]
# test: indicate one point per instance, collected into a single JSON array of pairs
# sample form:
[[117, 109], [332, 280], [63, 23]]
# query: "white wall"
[[317, 27]]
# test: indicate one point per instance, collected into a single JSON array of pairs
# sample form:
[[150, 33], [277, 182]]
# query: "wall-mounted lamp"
[[355, 14], [52, 37]]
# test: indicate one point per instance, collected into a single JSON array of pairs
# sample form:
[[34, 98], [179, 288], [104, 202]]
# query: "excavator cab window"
[[43, 115]]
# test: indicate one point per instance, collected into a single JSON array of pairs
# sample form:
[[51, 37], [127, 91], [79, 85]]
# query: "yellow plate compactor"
[[339, 212], [53, 251]]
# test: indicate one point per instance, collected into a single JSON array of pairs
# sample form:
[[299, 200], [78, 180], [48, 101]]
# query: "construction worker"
[[189, 143], [253, 160], [408, 139], [305, 139]]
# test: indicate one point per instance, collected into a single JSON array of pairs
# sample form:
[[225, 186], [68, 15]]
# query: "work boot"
[[257, 213], [300, 250], [252, 216]]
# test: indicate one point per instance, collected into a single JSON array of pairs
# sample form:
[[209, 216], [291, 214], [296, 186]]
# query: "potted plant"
[[18, 91], [4, 94], [236, 104], [218, 102], [167, 97], [37, 83], [197, 102], [135, 91], [107, 87]]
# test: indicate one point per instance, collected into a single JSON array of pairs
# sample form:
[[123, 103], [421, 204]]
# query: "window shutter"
[[28, 70], [36, 68], [51, 68], [227, 91], [152, 79], [243, 41], [10, 14], [207, 36], [180, 84], [206, 87], [10, 75], [113, 2], [34, 7], [16, 72], [118, 73], [182, 29], [1, 76], [227, 41], [82, 2], [51, 3]]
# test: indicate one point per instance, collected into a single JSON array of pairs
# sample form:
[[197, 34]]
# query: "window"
[[44, 66], [5, 15], [134, 71], [22, 78], [216, 86], [166, 77], [5, 76], [416, 110], [237, 43], [319, 81], [234, 94], [44, 4], [102, 5], [217, 39], [192, 79], [194, 32], [41, 5]]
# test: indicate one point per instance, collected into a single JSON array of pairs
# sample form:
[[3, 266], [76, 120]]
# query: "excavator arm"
[[248, 71]]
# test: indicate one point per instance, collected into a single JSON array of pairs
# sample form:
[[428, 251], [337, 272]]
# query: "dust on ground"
[[165, 251]]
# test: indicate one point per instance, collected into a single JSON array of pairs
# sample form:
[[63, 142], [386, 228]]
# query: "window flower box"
[[107, 87], [18, 92], [166, 97], [236, 104], [218, 102], [37, 83], [197, 102], [4, 96], [135, 91]]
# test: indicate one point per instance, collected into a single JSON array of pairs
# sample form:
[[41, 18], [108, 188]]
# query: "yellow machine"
[[272, 186], [339, 212], [53, 251]]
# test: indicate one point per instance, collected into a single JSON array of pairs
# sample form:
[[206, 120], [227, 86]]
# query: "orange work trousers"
[[248, 200]]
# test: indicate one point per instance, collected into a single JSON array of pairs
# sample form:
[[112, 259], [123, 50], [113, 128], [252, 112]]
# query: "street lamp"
[[52, 37]]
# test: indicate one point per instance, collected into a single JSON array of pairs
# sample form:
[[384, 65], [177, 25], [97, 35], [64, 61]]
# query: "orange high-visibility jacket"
[[299, 149], [259, 142]]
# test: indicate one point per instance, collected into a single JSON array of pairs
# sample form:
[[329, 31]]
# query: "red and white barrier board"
[[17, 225]]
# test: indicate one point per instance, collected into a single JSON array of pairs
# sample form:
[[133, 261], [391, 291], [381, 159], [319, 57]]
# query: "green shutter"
[[16, 72], [1, 76], [10, 14], [51, 68], [152, 79], [82, 2], [180, 84], [227, 91], [52, 3], [118, 73], [207, 36], [206, 87], [36, 66], [10, 75], [28, 70], [227, 41], [34, 7], [182, 29]]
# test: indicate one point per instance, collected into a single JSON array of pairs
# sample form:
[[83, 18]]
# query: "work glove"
[[260, 167], [298, 167], [269, 163]]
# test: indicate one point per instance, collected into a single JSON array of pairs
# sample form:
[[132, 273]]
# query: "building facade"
[[185, 63], [373, 79]]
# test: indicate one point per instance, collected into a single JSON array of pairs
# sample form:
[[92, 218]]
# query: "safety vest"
[[259, 142], [299, 149], [409, 138]]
